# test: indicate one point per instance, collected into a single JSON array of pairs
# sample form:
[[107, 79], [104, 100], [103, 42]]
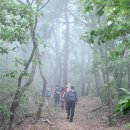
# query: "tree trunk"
[[58, 58], [66, 48], [83, 91], [103, 70], [44, 82], [110, 120], [97, 73], [38, 115], [41, 104], [17, 98], [20, 89]]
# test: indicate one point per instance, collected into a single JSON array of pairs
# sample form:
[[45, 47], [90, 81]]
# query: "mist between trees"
[[56, 42]]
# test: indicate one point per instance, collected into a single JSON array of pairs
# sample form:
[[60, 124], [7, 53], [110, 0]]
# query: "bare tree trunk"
[[96, 73], [41, 104], [58, 58], [98, 83], [66, 47], [83, 91], [110, 120], [44, 81], [102, 59]]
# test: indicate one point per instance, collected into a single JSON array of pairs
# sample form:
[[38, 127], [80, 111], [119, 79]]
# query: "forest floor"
[[89, 115]]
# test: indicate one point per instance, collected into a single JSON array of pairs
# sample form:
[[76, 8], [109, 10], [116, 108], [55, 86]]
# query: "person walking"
[[63, 89], [47, 96], [72, 98], [68, 87], [57, 96]]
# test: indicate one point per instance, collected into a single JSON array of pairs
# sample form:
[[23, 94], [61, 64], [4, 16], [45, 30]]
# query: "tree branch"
[[26, 66], [44, 5], [20, 2], [28, 2], [29, 81], [86, 24]]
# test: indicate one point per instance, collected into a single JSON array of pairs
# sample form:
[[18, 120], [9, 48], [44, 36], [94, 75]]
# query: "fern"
[[123, 106]]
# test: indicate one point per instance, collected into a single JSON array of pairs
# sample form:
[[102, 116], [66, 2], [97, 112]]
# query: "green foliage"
[[12, 74], [123, 105], [105, 92], [128, 125], [116, 25], [113, 27], [3, 50], [5, 111], [7, 89], [15, 20], [108, 32]]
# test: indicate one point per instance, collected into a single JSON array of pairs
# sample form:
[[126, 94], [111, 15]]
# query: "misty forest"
[[64, 64]]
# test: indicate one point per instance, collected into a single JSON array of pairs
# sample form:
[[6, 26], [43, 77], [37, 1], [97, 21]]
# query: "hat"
[[68, 84]]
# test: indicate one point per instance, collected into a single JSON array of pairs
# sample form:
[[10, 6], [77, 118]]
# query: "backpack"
[[48, 93], [57, 92], [72, 96]]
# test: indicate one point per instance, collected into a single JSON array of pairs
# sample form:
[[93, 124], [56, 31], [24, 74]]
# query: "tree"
[[113, 30], [21, 88], [66, 47]]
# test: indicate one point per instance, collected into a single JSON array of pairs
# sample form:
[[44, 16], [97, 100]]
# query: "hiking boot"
[[67, 117]]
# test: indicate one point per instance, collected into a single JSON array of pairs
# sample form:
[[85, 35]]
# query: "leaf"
[[100, 11]]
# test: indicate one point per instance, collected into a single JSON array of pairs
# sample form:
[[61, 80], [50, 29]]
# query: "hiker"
[[57, 96], [63, 89], [68, 87], [72, 98], [47, 96]]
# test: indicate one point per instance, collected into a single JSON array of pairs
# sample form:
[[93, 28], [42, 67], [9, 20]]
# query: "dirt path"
[[89, 115], [82, 114]]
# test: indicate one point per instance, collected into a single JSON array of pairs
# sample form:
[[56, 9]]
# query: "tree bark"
[[96, 73], [66, 48], [58, 55], [83, 91], [18, 94], [41, 104], [20, 89], [110, 120]]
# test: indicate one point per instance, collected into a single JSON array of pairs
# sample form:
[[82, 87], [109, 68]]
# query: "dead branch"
[[95, 109], [48, 122]]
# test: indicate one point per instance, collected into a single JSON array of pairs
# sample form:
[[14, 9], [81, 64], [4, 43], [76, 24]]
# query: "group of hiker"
[[64, 97]]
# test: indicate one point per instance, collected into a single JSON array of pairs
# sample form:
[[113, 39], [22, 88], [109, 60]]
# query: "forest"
[[76, 48]]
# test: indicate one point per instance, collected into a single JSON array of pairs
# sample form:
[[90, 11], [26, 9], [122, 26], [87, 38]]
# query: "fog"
[[57, 44]]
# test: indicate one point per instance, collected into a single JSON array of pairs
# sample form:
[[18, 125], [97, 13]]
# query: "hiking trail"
[[89, 115]]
